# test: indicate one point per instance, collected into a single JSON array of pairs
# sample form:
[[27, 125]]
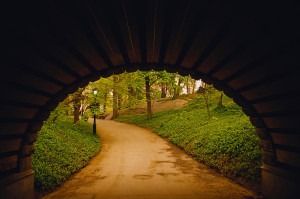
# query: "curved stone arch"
[[26, 148], [70, 29]]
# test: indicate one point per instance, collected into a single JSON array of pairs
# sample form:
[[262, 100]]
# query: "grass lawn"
[[62, 149]]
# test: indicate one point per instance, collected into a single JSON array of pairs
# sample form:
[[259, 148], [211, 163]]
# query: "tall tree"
[[206, 91], [105, 101], [128, 89], [164, 81], [163, 90], [134, 83], [148, 96], [115, 97], [76, 99], [220, 102], [187, 84], [178, 88], [193, 86]]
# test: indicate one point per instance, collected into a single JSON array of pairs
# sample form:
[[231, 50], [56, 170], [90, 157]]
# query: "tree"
[[205, 90], [150, 77], [76, 99], [126, 90], [163, 90], [133, 86], [148, 96], [116, 79], [187, 84], [193, 86], [220, 104], [72, 102], [178, 88]]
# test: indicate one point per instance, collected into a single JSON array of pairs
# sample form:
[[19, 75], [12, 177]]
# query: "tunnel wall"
[[250, 51]]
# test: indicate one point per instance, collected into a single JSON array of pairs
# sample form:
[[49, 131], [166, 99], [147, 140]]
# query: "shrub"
[[62, 149]]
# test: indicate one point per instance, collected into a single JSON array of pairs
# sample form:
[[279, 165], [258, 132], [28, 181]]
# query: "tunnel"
[[250, 51]]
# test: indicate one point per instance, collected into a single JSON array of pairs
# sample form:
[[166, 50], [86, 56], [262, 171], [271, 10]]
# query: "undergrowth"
[[62, 149], [225, 141]]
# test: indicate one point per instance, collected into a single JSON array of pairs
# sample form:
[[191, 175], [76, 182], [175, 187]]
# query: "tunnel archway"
[[247, 50]]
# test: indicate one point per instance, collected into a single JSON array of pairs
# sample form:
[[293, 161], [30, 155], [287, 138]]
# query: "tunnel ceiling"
[[250, 51]]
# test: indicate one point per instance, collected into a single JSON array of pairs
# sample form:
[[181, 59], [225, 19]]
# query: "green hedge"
[[226, 141], [62, 149]]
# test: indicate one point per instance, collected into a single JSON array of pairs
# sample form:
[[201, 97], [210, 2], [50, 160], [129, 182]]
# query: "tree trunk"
[[177, 89], [194, 86], [76, 99], [131, 96], [76, 106], [148, 97], [187, 85], [115, 99], [163, 90], [220, 103], [105, 102], [119, 101]]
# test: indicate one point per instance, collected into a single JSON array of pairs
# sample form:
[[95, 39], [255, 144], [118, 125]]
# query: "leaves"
[[131, 89], [62, 149]]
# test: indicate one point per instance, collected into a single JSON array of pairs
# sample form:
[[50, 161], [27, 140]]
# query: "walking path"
[[135, 163]]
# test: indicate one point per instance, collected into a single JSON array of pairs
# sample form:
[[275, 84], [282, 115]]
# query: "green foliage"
[[131, 91], [62, 149], [226, 141], [62, 109]]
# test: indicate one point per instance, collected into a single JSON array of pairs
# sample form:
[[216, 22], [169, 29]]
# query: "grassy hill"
[[62, 149], [226, 141]]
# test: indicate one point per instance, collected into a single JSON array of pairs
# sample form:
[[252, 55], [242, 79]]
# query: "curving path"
[[136, 163]]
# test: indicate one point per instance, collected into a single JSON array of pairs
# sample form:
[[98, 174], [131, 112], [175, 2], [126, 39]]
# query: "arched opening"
[[248, 51], [94, 85]]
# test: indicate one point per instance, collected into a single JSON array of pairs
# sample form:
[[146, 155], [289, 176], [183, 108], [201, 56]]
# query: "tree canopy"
[[123, 91]]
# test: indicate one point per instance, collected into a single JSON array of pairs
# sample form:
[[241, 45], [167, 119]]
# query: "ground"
[[136, 163]]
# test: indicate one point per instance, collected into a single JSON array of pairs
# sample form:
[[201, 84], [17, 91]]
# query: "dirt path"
[[136, 163]]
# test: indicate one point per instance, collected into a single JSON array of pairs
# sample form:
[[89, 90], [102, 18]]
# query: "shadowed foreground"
[[136, 163]]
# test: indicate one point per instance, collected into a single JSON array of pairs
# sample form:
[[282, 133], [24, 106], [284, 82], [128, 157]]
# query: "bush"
[[62, 149]]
